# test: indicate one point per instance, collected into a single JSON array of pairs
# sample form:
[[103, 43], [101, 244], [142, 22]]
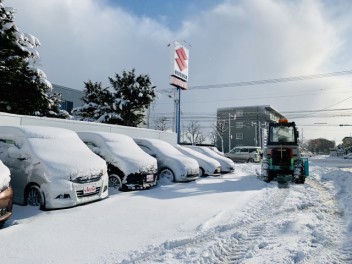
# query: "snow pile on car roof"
[[162, 146], [59, 150], [197, 155], [121, 151], [4, 176]]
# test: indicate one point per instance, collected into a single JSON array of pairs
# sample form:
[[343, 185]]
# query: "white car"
[[348, 156], [207, 165], [227, 165], [51, 167], [213, 148], [173, 166], [129, 167]]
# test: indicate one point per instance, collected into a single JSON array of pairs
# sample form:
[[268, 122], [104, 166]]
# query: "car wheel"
[[201, 172], [115, 181], [166, 176], [35, 197], [250, 160]]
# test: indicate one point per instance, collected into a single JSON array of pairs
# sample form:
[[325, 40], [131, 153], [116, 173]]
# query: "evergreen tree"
[[125, 104], [97, 107], [132, 97], [23, 88]]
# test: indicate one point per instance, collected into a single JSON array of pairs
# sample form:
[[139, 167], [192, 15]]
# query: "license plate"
[[150, 178], [89, 189]]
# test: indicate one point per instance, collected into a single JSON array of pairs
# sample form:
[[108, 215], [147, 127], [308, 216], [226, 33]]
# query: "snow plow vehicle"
[[282, 160]]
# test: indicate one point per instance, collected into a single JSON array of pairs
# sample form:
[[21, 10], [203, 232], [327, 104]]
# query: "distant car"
[[227, 165], [129, 167], [173, 166], [6, 194], [245, 154], [51, 167], [207, 165], [213, 148], [347, 156]]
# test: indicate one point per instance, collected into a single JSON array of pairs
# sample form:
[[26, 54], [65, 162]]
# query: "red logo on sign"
[[182, 58]]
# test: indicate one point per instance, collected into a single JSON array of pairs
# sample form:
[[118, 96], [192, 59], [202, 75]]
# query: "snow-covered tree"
[[125, 103], [98, 105], [23, 88], [132, 97]]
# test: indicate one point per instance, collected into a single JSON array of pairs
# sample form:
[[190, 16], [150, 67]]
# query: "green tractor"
[[282, 159]]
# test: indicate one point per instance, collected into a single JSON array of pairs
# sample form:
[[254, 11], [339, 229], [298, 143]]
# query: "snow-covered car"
[[347, 156], [173, 166], [227, 165], [51, 167], [207, 165], [213, 148], [6, 194], [129, 167]]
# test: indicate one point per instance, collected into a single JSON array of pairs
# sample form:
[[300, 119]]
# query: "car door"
[[243, 154], [234, 154]]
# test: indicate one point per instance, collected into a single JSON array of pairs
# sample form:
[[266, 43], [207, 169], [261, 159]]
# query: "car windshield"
[[69, 155], [281, 134]]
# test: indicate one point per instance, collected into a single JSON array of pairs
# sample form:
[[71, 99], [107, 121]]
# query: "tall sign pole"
[[179, 78]]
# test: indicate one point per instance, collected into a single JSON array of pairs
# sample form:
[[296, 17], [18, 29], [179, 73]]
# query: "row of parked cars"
[[58, 168]]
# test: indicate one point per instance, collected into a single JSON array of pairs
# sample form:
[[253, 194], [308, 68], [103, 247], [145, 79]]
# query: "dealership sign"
[[179, 66]]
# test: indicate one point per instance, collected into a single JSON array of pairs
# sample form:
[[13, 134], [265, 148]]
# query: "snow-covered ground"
[[234, 218]]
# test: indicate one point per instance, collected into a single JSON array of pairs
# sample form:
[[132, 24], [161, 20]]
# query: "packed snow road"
[[234, 218], [299, 224]]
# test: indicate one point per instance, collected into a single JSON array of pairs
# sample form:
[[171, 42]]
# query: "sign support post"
[[178, 116], [179, 78]]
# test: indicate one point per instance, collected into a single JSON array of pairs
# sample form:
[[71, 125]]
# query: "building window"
[[239, 135], [239, 125], [66, 105]]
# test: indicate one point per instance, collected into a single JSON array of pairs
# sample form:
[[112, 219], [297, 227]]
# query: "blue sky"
[[231, 41], [170, 13]]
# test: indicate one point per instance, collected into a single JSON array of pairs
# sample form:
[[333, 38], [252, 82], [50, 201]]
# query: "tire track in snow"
[[224, 244], [257, 237], [338, 249], [262, 223]]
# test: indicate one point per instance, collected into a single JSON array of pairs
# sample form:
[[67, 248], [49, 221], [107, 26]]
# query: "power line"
[[278, 80], [326, 108]]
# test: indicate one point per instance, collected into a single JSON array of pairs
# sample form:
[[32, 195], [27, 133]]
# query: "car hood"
[[179, 162], [67, 159], [130, 159]]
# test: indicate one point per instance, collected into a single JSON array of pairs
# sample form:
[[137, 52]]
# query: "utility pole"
[[230, 136]]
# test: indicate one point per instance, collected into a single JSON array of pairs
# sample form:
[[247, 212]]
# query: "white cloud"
[[236, 41]]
